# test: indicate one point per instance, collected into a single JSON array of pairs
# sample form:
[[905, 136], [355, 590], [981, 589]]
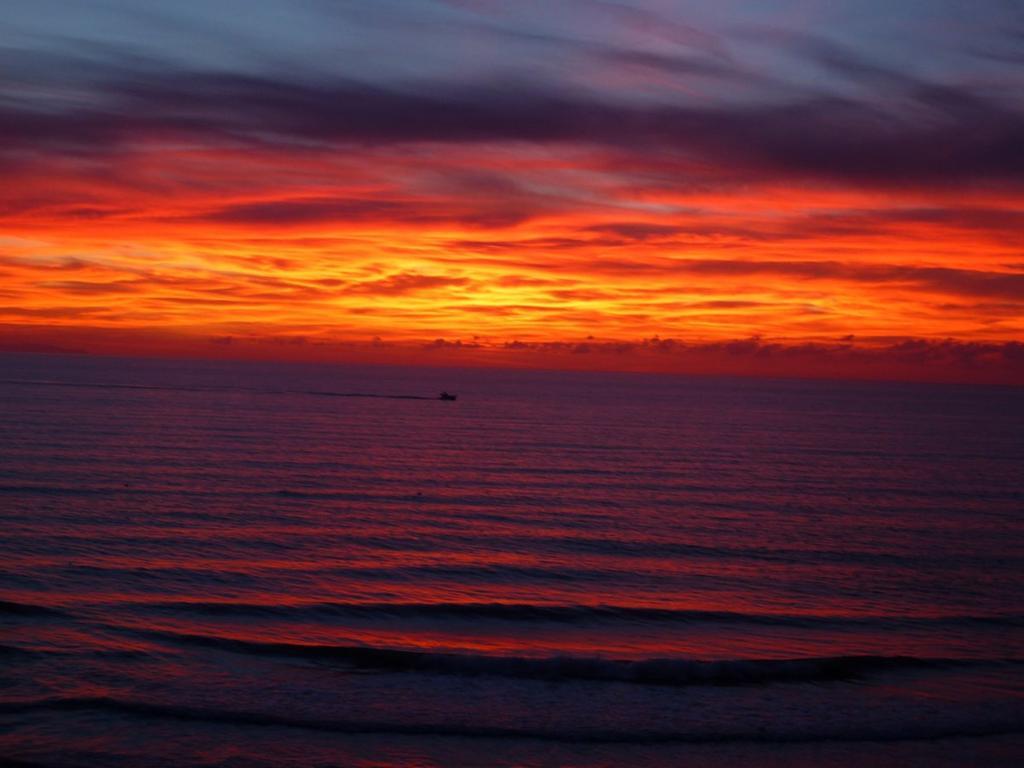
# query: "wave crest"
[[654, 671], [905, 732]]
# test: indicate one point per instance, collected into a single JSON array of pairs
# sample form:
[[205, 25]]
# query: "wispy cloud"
[[914, 133], [404, 283], [527, 173]]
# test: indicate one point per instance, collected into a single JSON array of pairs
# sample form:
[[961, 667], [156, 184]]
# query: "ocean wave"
[[13, 650], [91, 653], [111, 385], [54, 490], [11, 608], [570, 614], [672, 672], [205, 389], [896, 731]]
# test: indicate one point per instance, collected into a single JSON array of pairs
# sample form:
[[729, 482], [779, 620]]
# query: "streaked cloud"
[[749, 179]]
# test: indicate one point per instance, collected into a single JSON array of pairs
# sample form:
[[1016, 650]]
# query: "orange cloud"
[[513, 227]]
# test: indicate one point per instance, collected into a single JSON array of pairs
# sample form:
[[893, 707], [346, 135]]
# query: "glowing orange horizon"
[[379, 257]]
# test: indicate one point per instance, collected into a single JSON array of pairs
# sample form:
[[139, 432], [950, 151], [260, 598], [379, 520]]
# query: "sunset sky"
[[753, 186]]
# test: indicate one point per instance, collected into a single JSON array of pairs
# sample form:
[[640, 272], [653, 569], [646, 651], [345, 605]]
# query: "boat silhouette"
[[447, 396]]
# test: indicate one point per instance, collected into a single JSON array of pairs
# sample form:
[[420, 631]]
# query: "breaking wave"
[[655, 671], [597, 735]]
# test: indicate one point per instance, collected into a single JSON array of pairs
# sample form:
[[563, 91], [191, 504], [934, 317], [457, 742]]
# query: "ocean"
[[255, 564]]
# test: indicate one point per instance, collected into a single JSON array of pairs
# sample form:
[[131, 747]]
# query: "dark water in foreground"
[[227, 564]]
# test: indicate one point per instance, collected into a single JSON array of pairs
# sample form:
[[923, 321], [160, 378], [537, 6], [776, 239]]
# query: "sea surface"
[[241, 564]]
